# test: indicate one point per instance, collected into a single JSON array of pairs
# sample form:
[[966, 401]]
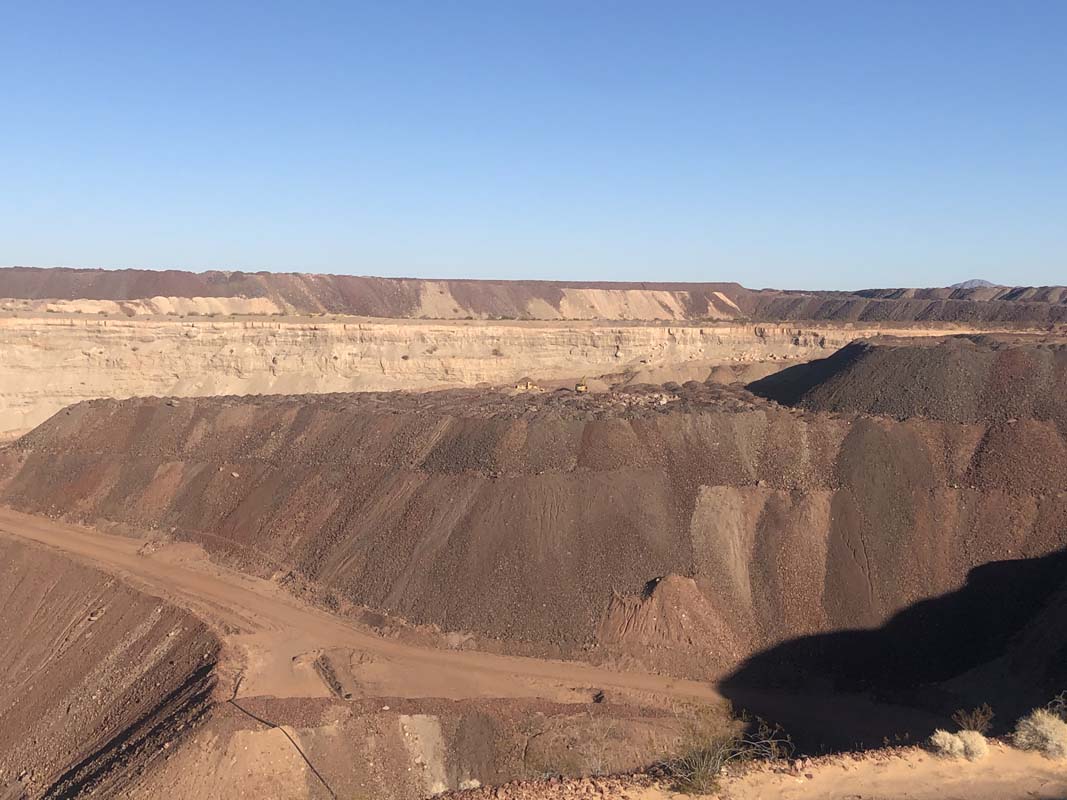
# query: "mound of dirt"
[[960, 379], [96, 679], [517, 517], [669, 624]]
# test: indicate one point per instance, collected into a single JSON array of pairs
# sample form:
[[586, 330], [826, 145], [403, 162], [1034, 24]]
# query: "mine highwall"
[[51, 361]]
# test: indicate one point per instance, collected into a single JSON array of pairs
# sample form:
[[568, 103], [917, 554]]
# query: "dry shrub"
[[698, 769], [975, 745], [966, 744], [946, 744], [1058, 706], [1044, 731], [977, 719]]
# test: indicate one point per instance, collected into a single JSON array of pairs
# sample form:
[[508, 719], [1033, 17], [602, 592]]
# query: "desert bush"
[[975, 745], [977, 719], [946, 744], [1044, 731], [971, 745], [698, 769]]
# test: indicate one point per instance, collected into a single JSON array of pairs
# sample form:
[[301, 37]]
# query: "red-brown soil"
[[94, 676], [306, 704], [404, 297], [871, 536], [517, 519], [1016, 386]]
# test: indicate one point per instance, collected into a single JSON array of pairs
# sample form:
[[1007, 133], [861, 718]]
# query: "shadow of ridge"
[[854, 688], [789, 386]]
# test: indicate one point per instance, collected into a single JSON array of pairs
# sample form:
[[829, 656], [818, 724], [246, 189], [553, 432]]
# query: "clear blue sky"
[[797, 144]]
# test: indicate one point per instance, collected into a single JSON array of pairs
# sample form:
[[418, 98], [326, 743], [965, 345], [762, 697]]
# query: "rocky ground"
[[392, 594], [892, 774]]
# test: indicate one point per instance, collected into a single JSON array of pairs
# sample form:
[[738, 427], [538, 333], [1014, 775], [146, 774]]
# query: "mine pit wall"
[[95, 677], [149, 291], [522, 531], [133, 292], [51, 361]]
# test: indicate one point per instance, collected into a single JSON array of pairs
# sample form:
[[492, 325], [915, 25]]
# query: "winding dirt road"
[[277, 638]]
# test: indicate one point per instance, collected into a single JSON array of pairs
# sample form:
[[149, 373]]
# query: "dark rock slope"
[[956, 379], [543, 520]]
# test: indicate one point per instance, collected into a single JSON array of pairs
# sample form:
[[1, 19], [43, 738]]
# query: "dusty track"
[[905, 774], [280, 637]]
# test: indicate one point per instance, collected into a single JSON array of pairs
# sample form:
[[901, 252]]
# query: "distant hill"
[[973, 283]]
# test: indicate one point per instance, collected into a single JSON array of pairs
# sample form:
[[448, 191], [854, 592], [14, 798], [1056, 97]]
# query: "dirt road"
[[904, 774], [278, 639]]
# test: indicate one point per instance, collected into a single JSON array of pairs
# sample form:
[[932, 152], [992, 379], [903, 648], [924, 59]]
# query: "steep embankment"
[[135, 292], [519, 518], [957, 379], [1016, 387], [95, 678], [52, 361]]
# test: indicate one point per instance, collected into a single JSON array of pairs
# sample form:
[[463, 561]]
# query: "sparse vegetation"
[[698, 769], [1043, 731], [978, 719], [975, 745], [1058, 706], [948, 745], [969, 744]]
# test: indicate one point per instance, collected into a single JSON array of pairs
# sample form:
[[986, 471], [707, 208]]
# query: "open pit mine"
[[308, 536]]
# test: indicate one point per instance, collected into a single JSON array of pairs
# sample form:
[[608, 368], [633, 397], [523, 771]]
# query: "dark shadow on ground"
[[789, 386], [903, 665]]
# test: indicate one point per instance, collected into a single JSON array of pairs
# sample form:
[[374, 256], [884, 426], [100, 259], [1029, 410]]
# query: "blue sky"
[[796, 144]]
